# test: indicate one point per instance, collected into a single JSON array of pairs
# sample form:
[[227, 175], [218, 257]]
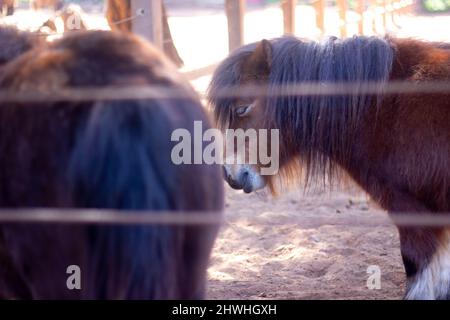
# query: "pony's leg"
[[426, 257], [12, 286], [199, 241], [425, 253]]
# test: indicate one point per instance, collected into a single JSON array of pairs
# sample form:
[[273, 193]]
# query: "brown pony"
[[395, 146], [100, 154]]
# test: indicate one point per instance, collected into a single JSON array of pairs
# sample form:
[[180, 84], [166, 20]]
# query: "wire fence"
[[198, 218], [106, 216], [152, 217], [113, 93]]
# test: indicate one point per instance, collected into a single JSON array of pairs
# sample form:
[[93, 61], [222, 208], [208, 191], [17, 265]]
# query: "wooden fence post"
[[235, 10], [361, 8], [149, 20], [319, 7], [288, 7], [385, 14], [342, 8]]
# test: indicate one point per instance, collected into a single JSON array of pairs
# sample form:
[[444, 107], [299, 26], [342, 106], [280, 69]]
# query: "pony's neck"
[[411, 55]]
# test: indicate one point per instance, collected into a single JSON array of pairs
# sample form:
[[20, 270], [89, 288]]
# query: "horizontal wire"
[[91, 216], [158, 92], [108, 216], [245, 91], [123, 217]]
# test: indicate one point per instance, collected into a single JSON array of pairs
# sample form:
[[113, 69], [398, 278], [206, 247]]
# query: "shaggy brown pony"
[[101, 154], [396, 146]]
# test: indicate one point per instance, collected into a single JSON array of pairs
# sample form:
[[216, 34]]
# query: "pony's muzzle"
[[243, 177]]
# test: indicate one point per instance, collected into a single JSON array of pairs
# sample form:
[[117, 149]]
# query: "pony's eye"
[[242, 111]]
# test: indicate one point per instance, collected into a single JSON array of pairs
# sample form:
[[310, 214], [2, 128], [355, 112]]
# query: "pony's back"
[[101, 154]]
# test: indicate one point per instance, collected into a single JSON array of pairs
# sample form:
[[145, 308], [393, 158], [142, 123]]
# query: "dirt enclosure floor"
[[284, 248]]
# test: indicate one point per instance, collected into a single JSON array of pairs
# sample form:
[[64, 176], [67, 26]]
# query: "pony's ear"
[[257, 65]]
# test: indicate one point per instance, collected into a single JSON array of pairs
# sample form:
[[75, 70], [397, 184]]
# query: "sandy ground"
[[288, 247], [284, 248]]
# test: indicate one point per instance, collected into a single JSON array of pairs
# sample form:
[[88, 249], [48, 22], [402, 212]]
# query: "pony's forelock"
[[227, 75]]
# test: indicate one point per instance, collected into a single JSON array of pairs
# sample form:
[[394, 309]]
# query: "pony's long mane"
[[314, 125]]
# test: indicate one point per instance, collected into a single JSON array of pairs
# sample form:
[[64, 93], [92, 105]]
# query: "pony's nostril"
[[245, 181], [245, 177]]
